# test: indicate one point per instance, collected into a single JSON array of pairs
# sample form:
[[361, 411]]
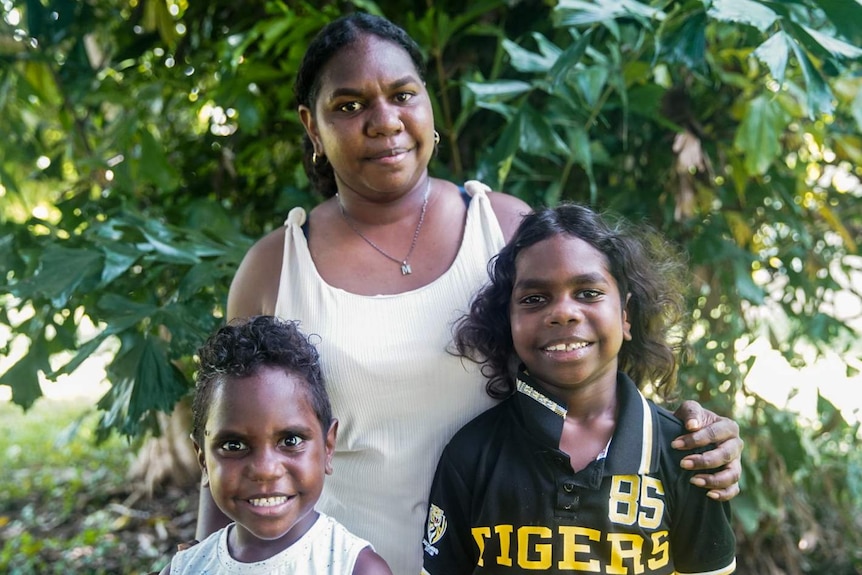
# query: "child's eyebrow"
[[589, 278]]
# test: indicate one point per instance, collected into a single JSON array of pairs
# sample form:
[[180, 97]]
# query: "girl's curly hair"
[[245, 346], [644, 265]]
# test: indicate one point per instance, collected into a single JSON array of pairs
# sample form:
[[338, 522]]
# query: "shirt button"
[[568, 487]]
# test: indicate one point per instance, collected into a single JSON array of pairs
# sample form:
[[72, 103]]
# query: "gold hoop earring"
[[314, 158], [436, 137]]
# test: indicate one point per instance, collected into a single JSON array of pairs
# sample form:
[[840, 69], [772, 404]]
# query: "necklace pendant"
[[405, 269]]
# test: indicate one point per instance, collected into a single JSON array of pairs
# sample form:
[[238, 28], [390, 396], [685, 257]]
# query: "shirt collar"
[[634, 448]]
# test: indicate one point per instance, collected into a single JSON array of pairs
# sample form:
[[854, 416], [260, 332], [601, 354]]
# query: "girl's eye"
[[232, 445], [591, 294], [291, 441], [403, 96], [350, 107], [532, 299]]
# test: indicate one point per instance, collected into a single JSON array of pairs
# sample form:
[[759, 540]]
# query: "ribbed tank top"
[[398, 394]]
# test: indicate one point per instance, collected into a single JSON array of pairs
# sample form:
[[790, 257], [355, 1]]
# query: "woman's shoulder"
[[254, 287], [509, 210]]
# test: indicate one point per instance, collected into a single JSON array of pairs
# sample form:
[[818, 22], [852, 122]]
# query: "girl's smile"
[[567, 315], [265, 455]]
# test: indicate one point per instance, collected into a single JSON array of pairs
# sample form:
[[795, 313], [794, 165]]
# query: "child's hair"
[[640, 261], [331, 39], [243, 347]]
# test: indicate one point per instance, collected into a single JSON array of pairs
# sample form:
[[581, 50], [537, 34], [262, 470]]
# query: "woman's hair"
[[641, 262], [331, 39], [244, 347]]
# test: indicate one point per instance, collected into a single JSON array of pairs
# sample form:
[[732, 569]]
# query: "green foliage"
[[65, 505], [148, 141]]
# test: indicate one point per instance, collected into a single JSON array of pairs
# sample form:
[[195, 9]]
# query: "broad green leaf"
[[23, 378], [568, 60], [117, 308], [157, 18], [119, 258], [504, 150], [525, 61], [158, 383], [42, 82], [500, 90], [836, 47], [547, 48], [759, 133], [200, 276], [62, 270], [819, 96], [504, 110], [580, 12], [538, 138], [744, 12], [582, 154], [591, 81], [175, 253], [775, 53], [845, 15], [687, 44], [117, 325], [154, 166]]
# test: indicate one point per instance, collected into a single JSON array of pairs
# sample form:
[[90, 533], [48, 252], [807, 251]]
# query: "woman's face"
[[372, 119]]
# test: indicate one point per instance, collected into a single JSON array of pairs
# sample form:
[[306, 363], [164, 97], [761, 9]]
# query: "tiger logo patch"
[[435, 529]]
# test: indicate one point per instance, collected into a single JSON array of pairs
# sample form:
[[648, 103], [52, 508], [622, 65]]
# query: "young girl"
[[573, 472], [264, 435]]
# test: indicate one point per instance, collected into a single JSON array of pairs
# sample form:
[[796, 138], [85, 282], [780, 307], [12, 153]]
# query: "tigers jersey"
[[505, 499]]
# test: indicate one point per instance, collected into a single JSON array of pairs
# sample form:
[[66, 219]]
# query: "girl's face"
[[265, 456], [372, 119], [568, 320]]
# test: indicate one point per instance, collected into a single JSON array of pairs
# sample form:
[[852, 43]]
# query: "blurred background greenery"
[[147, 143]]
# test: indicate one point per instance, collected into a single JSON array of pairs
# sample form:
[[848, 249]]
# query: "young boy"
[[264, 435], [573, 472]]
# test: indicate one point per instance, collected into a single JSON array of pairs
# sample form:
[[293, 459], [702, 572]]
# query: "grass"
[[66, 504]]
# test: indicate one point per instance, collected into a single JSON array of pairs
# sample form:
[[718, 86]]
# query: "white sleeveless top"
[[327, 548], [398, 394]]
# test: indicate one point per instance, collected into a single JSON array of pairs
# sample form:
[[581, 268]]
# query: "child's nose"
[[265, 465], [565, 310]]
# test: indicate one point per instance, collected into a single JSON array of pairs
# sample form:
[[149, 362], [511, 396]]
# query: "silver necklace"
[[405, 266]]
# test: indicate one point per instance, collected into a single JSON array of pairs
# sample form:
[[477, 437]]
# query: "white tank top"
[[398, 394], [327, 548]]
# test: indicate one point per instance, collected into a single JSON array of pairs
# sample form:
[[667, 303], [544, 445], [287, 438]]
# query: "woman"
[[380, 271]]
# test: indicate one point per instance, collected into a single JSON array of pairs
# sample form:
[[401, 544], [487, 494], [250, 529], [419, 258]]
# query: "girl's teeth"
[[267, 501], [566, 347]]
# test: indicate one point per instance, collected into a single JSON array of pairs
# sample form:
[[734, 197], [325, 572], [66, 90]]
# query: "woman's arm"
[[254, 288], [707, 428]]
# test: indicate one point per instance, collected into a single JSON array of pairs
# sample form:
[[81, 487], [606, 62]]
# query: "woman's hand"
[[707, 427]]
